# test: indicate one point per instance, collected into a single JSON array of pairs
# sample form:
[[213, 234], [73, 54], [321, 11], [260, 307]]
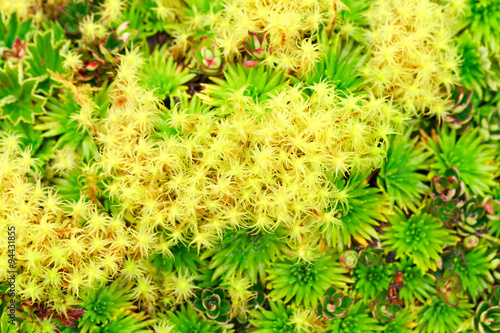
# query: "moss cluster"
[[249, 166]]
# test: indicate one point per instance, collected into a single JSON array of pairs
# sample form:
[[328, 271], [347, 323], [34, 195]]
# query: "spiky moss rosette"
[[250, 166], [421, 237]]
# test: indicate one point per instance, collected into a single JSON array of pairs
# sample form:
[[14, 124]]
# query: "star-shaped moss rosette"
[[29, 138], [334, 304], [178, 256], [417, 286], [421, 236], [475, 270], [475, 68], [438, 316], [403, 323], [401, 176], [101, 304], [247, 254], [487, 317], [358, 319], [258, 83], [18, 100], [468, 154], [59, 121], [164, 76], [186, 319], [304, 282], [372, 279], [382, 308], [448, 287], [209, 57], [364, 207], [277, 318], [213, 304]]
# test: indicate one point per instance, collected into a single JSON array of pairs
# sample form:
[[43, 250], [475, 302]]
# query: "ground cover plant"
[[257, 166]]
